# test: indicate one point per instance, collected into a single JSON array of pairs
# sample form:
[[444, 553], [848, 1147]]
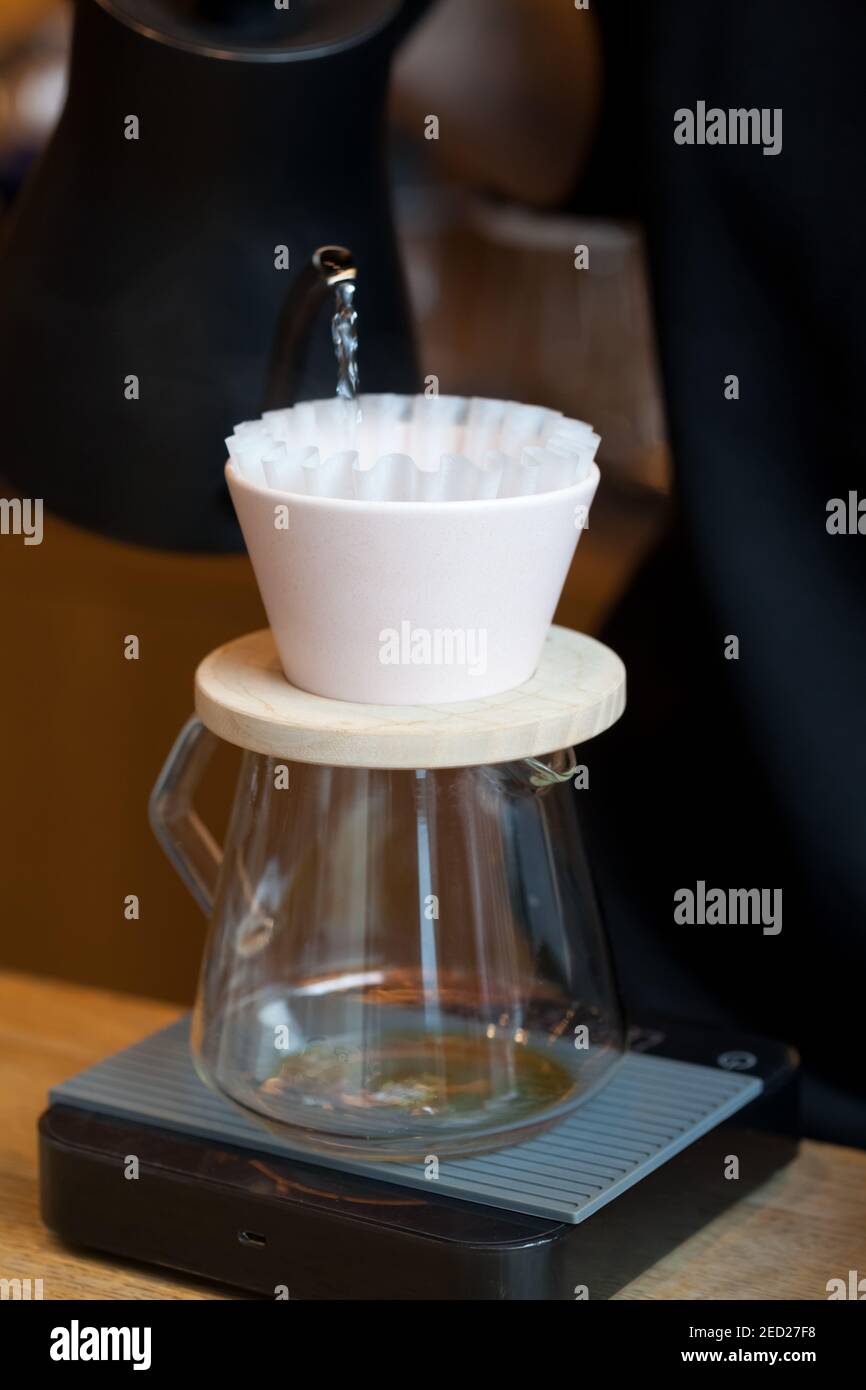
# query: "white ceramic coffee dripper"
[[414, 601]]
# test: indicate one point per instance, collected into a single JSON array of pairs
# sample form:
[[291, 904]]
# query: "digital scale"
[[575, 1213]]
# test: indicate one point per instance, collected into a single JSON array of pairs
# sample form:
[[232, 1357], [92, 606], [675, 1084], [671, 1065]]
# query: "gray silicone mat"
[[650, 1109]]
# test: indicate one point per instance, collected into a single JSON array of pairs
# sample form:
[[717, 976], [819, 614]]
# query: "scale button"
[[737, 1061]]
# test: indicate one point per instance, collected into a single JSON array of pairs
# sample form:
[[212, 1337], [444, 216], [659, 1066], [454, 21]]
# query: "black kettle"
[[207, 147]]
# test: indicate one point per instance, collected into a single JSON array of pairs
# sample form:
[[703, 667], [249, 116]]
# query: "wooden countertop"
[[785, 1240]]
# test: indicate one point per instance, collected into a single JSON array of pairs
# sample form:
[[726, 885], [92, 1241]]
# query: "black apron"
[[751, 772]]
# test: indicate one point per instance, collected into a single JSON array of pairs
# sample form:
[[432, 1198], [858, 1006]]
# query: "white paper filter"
[[383, 448]]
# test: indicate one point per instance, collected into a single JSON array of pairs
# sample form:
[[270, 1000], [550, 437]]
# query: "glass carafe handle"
[[545, 775], [185, 838]]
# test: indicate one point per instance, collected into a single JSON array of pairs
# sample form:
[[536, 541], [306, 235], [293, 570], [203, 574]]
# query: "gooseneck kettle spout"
[[331, 270]]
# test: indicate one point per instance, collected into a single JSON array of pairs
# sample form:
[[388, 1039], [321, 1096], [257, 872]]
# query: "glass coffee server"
[[405, 955]]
